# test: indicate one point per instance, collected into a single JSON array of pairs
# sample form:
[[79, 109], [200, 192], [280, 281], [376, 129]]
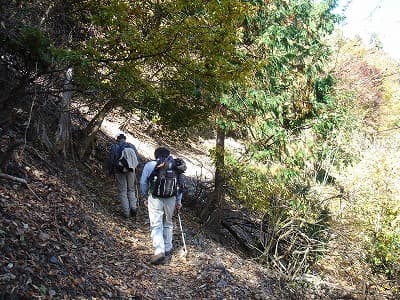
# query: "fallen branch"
[[13, 178], [242, 241]]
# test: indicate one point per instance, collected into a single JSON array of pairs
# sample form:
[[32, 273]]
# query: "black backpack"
[[180, 165], [166, 177]]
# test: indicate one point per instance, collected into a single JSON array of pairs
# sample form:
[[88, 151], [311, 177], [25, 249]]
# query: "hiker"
[[161, 187], [122, 163]]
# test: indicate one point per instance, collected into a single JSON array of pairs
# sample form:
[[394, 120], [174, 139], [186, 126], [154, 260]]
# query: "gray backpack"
[[122, 163]]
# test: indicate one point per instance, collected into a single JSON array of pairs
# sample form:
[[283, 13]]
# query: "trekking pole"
[[183, 236]]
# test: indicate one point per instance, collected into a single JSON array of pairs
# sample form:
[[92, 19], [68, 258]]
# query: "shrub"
[[294, 225]]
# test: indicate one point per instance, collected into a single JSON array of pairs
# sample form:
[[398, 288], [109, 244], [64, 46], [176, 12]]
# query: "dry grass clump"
[[365, 251]]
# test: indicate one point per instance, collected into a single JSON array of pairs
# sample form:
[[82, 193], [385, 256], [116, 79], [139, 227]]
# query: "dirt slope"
[[62, 236], [61, 241]]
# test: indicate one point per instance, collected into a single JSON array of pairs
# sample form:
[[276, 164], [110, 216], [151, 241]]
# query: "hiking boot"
[[166, 260], [157, 259]]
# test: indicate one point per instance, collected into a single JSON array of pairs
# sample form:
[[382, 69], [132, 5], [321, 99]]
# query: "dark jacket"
[[115, 155]]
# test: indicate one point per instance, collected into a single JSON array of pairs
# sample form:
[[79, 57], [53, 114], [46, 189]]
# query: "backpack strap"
[[154, 172]]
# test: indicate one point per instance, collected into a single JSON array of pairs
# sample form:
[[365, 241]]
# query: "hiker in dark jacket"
[[161, 209], [125, 177]]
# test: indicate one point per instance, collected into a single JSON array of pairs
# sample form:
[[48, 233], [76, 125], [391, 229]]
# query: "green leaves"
[[31, 44], [181, 53]]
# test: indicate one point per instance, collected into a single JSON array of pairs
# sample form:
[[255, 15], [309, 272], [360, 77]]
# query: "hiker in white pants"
[[160, 208]]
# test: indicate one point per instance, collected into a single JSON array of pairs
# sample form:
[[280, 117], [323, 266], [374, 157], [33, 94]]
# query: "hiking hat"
[[121, 136], [161, 152]]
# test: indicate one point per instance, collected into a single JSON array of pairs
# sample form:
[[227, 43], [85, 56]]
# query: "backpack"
[[122, 165], [180, 165], [166, 177]]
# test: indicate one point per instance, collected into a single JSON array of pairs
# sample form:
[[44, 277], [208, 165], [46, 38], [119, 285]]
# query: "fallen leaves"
[[70, 241]]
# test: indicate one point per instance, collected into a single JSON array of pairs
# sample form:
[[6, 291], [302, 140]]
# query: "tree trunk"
[[219, 167], [211, 213], [88, 137], [64, 124]]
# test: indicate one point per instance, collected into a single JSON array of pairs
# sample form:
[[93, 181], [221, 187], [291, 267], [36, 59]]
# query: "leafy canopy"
[[164, 58]]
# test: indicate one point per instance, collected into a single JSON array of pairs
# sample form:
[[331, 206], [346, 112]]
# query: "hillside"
[[63, 237]]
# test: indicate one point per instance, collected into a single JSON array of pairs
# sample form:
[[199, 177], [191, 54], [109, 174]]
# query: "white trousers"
[[161, 211]]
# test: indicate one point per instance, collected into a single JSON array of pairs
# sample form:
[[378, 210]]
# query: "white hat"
[[120, 135]]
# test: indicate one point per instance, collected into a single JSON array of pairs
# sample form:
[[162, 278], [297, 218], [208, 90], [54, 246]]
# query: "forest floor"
[[63, 236]]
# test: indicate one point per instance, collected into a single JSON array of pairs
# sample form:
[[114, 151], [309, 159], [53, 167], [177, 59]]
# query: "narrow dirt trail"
[[208, 271], [65, 237]]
